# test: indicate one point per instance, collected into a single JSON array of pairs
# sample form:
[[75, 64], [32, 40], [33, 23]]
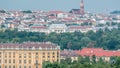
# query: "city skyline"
[[64, 5]]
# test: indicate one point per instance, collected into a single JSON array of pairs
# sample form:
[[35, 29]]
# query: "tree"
[[27, 11], [2, 11], [94, 59], [117, 64], [84, 41], [51, 65]]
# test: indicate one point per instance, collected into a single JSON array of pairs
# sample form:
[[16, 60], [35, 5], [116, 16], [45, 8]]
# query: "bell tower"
[[81, 7]]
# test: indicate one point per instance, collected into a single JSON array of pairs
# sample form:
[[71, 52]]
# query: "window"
[[13, 66], [43, 56], [29, 53], [53, 53], [57, 53], [53, 56], [20, 56], [36, 53], [25, 61], [5, 55], [36, 61], [48, 56], [48, 53], [29, 56], [9, 56], [5, 66], [20, 67], [29, 66], [20, 61], [43, 53], [57, 60], [13, 53], [9, 61], [14, 56], [5, 61], [14, 61], [9, 53], [36, 66], [24, 56], [0, 54], [29, 61], [24, 66], [36, 56], [9, 66]]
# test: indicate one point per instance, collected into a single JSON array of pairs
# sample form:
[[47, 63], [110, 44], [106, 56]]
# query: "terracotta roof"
[[99, 52], [55, 12]]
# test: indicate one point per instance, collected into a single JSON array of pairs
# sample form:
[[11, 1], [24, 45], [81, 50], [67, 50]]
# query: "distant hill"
[[115, 12]]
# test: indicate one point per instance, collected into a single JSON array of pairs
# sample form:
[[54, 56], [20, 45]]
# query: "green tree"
[[84, 41]]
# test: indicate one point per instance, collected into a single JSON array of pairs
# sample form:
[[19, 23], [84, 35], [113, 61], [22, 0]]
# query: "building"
[[81, 7], [28, 55], [58, 14], [77, 28], [98, 52], [75, 11], [78, 11], [38, 28], [58, 28], [64, 54]]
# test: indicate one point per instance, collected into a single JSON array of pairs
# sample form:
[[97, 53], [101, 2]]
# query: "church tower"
[[81, 7]]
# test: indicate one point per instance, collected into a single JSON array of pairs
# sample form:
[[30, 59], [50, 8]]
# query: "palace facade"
[[28, 55]]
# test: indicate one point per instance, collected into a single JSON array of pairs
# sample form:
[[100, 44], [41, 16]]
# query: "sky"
[[98, 6]]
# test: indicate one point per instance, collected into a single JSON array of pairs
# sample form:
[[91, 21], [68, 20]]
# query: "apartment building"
[[28, 55]]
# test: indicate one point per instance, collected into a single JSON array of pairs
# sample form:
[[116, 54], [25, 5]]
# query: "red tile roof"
[[98, 52], [55, 12]]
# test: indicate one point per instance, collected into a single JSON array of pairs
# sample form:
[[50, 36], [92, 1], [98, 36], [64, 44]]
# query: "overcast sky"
[[64, 5]]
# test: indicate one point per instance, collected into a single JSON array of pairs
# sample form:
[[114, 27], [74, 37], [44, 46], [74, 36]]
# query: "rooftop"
[[98, 52], [29, 45]]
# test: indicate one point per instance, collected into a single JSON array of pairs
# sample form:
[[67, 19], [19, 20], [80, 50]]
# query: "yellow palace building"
[[28, 54]]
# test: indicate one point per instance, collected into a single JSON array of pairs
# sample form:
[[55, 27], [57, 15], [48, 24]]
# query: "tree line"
[[107, 39], [84, 63]]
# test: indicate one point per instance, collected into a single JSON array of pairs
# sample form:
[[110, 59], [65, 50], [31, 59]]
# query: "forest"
[[106, 39]]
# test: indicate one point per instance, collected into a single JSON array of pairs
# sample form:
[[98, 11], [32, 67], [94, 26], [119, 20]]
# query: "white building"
[[58, 28]]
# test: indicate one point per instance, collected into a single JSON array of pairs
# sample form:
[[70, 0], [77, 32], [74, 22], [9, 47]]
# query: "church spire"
[[82, 7]]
